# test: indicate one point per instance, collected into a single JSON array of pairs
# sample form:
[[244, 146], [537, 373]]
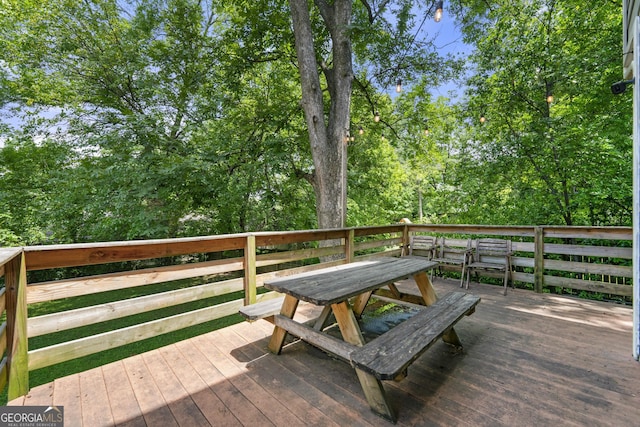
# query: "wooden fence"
[[236, 266]]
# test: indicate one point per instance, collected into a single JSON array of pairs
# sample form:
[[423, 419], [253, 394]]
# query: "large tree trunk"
[[328, 135]]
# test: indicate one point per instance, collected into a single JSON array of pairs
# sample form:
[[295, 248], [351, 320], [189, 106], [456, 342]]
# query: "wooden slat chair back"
[[424, 246], [491, 254], [452, 252]]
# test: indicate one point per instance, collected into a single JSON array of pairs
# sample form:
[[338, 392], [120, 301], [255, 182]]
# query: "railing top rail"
[[7, 254], [125, 243], [78, 254]]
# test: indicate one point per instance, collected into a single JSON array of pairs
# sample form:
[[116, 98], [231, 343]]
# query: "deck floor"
[[529, 360]]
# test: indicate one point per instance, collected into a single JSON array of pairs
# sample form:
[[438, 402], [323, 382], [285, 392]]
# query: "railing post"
[[538, 260], [17, 346], [349, 246], [250, 286], [405, 241]]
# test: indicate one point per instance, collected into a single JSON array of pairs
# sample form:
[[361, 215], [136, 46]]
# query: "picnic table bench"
[[345, 291], [389, 355]]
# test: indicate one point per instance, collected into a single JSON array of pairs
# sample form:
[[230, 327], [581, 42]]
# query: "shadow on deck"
[[528, 360]]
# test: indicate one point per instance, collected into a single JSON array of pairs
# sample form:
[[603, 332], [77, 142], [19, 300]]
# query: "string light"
[[438, 15], [549, 98], [376, 117], [482, 118], [399, 86], [361, 131], [382, 137]]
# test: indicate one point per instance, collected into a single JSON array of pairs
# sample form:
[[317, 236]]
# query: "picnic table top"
[[335, 284]]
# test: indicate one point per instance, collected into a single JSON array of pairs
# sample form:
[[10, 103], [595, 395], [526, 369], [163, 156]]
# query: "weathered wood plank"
[[289, 307], [231, 343], [342, 384], [318, 339], [66, 392], [209, 404], [274, 410], [263, 309], [588, 268], [122, 398], [592, 286], [390, 354], [299, 395], [149, 397], [93, 394], [239, 405], [328, 286], [592, 251], [182, 406]]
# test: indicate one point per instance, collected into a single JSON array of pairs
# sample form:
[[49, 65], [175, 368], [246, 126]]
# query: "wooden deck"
[[529, 360]]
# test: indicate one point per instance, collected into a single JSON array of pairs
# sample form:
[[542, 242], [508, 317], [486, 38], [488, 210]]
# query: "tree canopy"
[[163, 118]]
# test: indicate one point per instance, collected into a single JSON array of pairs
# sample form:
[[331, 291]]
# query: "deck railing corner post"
[[17, 345]]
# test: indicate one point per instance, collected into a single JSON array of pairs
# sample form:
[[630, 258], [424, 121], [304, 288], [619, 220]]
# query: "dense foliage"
[[163, 118]]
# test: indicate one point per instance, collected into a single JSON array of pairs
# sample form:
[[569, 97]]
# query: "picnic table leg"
[[289, 306], [347, 323], [429, 295], [371, 386], [376, 396], [321, 321], [360, 303], [426, 288]]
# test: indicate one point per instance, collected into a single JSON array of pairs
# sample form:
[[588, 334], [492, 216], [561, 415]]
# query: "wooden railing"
[[236, 266], [14, 370]]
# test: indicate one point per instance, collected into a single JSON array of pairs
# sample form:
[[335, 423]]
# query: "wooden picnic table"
[[344, 292]]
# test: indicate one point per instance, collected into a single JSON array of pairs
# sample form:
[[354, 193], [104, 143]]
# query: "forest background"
[[139, 119]]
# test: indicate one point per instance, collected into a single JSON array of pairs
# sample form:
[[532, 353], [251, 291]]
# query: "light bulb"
[[426, 131], [482, 119], [399, 86], [438, 15], [376, 117], [549, 98], [361, 131]]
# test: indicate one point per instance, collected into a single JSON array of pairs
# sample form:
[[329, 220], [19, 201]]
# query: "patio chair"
[[451, 252], [423, 246], [491, 255]]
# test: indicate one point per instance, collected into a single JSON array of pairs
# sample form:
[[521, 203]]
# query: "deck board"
[[66, 392], [149, 397], [93, 392], [122, 398], [528, 360]]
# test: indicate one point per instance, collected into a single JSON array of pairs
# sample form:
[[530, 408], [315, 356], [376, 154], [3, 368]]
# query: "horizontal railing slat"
[[62, 352], [49, 291], [70, 319]]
